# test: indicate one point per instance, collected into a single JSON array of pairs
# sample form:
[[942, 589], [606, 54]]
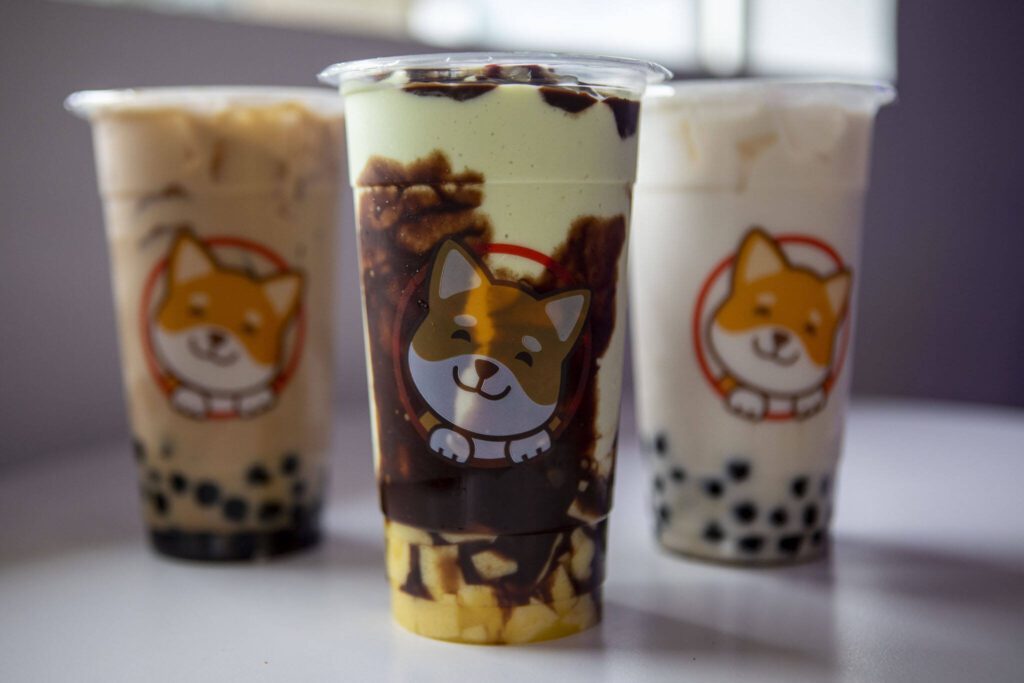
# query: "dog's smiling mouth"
[[773, 357], [211, 356], [479, 388]]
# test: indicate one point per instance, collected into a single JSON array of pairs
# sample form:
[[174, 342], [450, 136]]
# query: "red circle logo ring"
[[699, 311], [164, 379], [398, 345]]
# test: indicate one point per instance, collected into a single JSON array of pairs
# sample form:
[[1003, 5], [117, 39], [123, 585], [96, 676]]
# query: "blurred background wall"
[[942, 285]]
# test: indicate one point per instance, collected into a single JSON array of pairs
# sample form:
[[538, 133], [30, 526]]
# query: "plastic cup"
[[493, 197], [746, 261], [221, 210]]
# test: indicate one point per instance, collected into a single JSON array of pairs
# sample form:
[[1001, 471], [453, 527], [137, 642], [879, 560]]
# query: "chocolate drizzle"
[[558, 91], [627, 115], [405, 213], [460, 92]]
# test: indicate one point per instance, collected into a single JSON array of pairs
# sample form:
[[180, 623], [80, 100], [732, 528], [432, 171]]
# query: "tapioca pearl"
[[166, 449], [235, 509], [810, 515], [160, 503], [713, 533], [779, 517], [738, 470], [154, 476], [659, 484], [178, 482], [299, 489], [677, 474], [301, 516], [664, 514], [270, 511], [257, 476], [745, 512], [207, 493], [290, 463], [751, 544], [713, 488], [817, 537], [790, 545], [661, 444], [799, 487], [138, 449], [826, 485]]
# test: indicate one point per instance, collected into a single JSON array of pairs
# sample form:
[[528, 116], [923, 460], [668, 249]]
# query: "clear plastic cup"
[[493, 198], [221, 211], [748, 209]]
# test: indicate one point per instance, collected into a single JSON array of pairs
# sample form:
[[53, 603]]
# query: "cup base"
[[447, 619], [736, 557], [234, 547]]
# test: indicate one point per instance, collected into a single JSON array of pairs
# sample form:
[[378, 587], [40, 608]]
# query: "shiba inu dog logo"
[[218, 332], [774, 335], [488, 360]]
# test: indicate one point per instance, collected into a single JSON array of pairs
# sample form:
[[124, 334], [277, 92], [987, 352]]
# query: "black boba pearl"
[[678, 475], [207, 493], [160, 503], [270, 510], [751, 544], [154, 476], [660, 443], [290, 463], [178, 482], [799, 487], [257, 475], [790, 545], [745, 512], [299, 489], [826, 484], [739, 470], [713, 488], [138, 449], [713, 533], [166, 449], [235, 509], [779, 517], [664, 514], [817, 537], [810, 515], [659, 484]]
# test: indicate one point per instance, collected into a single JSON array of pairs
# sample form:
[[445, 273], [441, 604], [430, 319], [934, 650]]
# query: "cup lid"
[[851, 94], [566, 69], [203, 99]]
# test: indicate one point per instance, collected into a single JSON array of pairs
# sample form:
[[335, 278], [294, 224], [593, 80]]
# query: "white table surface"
[[925, 583]]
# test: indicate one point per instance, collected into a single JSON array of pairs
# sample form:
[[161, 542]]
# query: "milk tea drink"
[[493, 199], [745, 269], [220, 208]]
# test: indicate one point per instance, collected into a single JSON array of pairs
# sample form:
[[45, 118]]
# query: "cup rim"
[[852, 93], [626, 72], [88, 104]]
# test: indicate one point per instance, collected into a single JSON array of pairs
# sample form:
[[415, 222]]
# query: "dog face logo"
[[219, 331], [488, 359], [775, 333]]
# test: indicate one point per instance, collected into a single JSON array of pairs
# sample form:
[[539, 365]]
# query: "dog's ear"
[[567, 311], [283, 292], [455, 270], [837, 287], [759, 256], [189, 259]]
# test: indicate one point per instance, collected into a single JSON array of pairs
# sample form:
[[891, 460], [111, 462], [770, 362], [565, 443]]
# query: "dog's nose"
[[780, 338], [484, 368], [216, 338]]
